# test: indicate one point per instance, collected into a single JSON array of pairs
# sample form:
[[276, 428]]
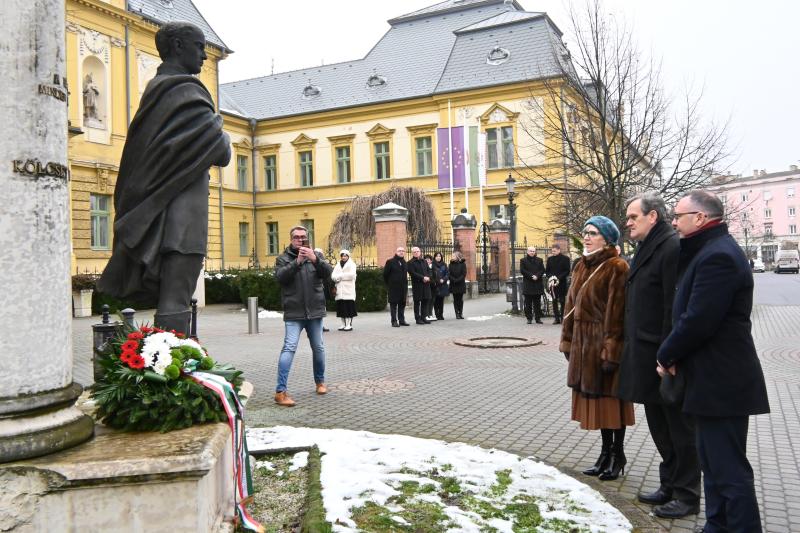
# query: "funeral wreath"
[[152, 381]]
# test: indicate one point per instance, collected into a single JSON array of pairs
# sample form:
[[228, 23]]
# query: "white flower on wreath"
[[157, 349]]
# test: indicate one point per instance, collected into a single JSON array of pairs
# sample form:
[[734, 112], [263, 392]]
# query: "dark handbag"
[[332, 291], [672, 388]]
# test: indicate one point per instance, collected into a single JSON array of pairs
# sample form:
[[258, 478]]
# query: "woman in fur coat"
[[344, 275], [591, 340]]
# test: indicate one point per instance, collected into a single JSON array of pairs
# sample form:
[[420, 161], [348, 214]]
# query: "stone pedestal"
[[464, 232], [500, 234], [390, 229], [37, 413]]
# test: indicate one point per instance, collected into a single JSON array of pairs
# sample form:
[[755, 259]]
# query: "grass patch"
[[502, 484]]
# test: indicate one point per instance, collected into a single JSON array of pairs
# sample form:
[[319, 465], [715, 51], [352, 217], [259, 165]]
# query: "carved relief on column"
[[146, 65]]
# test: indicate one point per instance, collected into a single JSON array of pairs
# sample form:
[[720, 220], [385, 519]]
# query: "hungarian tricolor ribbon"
[[241, 459]]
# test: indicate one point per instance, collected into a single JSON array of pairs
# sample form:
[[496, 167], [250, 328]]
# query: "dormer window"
[[166, 3], [498, 56], [310, 91], [376, 81]]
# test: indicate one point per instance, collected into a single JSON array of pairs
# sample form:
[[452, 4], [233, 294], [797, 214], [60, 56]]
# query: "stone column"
[[37, 395], [464, 232], [390, 229], [500, 234]]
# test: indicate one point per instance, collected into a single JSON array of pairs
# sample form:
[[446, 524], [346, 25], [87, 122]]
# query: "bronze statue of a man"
[[161, 194]]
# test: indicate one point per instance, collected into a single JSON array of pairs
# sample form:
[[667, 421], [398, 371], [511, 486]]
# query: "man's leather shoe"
[[538, 321], [426, 321], [281, 398], [321, 388], [658, 497], [404, 324], [530, 321], [395, 325], [676, 509]]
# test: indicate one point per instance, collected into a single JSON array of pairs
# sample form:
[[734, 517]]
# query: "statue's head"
[[182, 44]]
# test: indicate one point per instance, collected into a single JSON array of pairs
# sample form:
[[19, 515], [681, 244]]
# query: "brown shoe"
[[321, 388], [281, 398]]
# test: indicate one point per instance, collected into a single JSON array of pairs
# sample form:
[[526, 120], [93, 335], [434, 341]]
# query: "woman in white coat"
[[344, 276]]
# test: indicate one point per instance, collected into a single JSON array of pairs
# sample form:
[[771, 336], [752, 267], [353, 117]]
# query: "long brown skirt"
[[601, 413]]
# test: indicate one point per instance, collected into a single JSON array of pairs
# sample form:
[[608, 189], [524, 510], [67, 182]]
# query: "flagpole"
[[467, 161], [481, 146], [450, 152]]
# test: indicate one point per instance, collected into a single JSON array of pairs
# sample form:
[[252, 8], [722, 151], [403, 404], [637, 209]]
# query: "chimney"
[[793, 168], [755, 172]]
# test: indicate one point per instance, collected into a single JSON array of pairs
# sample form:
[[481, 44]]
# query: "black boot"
[[618, 461], [605, 454]]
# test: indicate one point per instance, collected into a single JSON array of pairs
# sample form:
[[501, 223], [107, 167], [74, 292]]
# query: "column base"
[[38, 424]]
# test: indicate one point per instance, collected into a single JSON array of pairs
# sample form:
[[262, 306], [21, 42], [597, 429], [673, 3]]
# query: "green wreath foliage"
[[133, 399]]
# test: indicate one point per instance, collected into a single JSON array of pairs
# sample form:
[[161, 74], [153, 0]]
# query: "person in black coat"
[[442, 288], [557, 271], [395, 275], [458, 282], [712, 345], [421, 275], [649, 292], [531, 267]]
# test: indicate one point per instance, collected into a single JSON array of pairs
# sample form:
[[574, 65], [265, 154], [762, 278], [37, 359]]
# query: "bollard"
[[101, 334], [127, 317], [252, 314], [193, 326]]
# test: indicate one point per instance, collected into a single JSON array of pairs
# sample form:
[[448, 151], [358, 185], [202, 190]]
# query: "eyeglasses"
[[676, 216], [299, 237], [591, 233]]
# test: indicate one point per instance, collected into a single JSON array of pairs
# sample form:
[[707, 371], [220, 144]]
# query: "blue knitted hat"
[[606, 227]]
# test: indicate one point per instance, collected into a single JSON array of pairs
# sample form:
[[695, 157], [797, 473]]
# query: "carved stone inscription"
[[37, 169]]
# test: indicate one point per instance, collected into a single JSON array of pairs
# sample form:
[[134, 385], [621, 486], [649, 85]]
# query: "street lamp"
[[513, 235]]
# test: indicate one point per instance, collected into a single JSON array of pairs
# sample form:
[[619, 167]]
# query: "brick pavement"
[[416, 381]]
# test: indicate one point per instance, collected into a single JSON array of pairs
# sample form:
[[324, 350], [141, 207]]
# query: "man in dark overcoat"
[[421, 276], [395, 275], [558, 269], [712, 345], [649, 292], [161, 194], [531, 267]]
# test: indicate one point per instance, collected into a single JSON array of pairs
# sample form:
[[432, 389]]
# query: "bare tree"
[[607, 129]]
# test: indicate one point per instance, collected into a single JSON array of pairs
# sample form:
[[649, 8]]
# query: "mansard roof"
[[163, 11], [444, 48]]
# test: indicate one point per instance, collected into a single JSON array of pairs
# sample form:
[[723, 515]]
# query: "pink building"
[[763, 210]]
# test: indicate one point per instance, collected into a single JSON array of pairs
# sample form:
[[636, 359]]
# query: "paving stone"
[[513, 399]]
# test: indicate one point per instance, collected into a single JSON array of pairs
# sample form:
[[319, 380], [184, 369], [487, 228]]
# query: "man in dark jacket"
[[531, 267], [300, 271], [421, 276], [161, 195], [712, 346], [395, 275], [558, 269], [649, 292]]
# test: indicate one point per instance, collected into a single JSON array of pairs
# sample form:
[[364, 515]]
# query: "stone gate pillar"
[[390, 229], [37, 394], [464, 232], [500, 234]]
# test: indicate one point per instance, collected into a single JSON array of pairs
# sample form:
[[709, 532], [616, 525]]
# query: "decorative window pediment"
[[243, 144], [379, 131], [268, 148], [342, 139], [497, 114], [422, 128], [303, 141]]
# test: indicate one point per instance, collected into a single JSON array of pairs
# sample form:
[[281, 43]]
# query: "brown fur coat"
[[594, 332]]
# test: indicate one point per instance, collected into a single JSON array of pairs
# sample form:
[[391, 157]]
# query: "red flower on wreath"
[[130, 346], [125, 357], [136, 362], [145, 330], [135, 336]]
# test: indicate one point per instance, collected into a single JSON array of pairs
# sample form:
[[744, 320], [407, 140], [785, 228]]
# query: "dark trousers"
[[458, 303], [674, 436], [533, 301], [731, 504], [421, 308], [438, 306], [398, 310], [558, 305]]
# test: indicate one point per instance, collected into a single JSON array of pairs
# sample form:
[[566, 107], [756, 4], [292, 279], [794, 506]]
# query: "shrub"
[[82, 282], [261, 283], [222, 287], [371, 293]]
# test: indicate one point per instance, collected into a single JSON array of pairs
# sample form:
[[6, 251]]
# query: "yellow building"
[[111, 56], [307, 142]]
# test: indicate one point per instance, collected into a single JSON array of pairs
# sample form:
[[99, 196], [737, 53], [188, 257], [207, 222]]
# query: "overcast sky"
[[742, 54]]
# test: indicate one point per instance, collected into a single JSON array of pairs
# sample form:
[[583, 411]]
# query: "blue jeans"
[[313, 329]]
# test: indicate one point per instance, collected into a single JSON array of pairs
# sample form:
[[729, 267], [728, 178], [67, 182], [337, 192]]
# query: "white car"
[[758, 265]]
